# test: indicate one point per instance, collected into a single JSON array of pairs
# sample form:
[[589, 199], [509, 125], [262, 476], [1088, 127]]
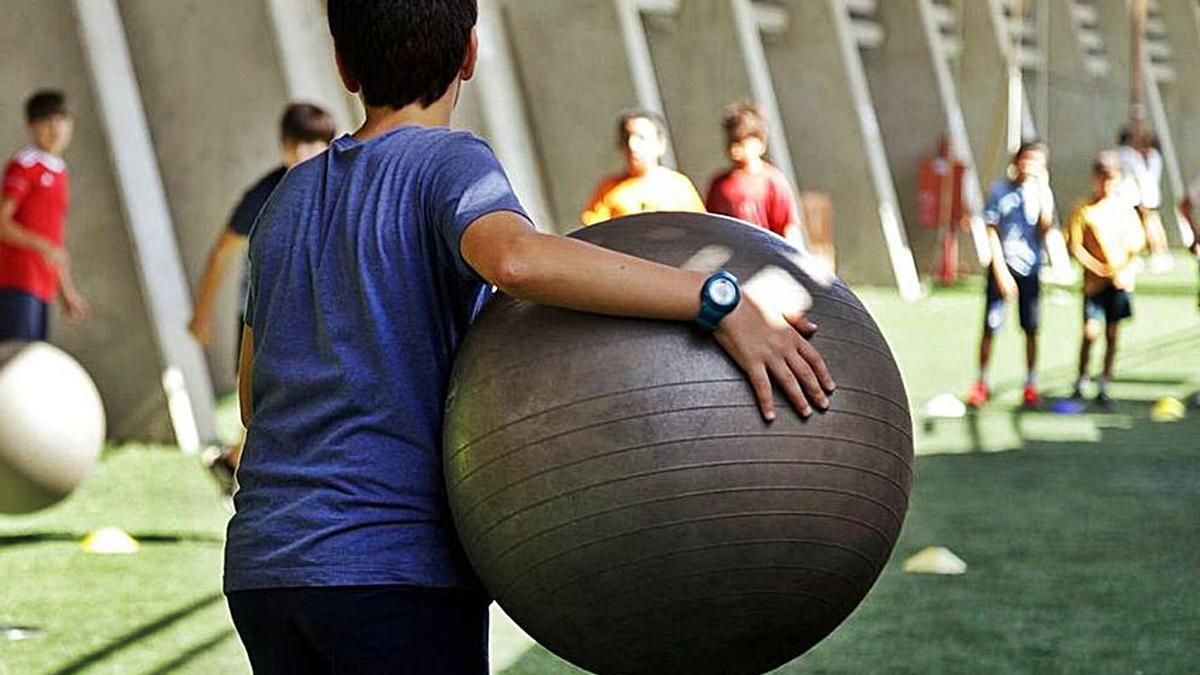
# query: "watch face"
[[723, 292]]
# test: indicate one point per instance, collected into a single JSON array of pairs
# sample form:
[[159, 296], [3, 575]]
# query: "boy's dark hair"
[[1107, 165], [45, 103], [306, 123], [744, 120], [1030, 146], [402, 52], [627, 116]]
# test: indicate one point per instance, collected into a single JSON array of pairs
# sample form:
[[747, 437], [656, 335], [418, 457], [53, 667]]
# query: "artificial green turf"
[[1080, 532]]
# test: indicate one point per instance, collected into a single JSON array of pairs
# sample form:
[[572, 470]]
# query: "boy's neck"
[[638, 170], [753, 166], [382, 119], [43, 149]]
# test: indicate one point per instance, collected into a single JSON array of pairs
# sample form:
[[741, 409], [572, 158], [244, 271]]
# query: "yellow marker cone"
[[1168, 410], [935, 560], [109, 541]]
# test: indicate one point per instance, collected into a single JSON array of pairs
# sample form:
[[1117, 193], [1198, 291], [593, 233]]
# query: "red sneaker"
[[1032, 398], [978, 395]]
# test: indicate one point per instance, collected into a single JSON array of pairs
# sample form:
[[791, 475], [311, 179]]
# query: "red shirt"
[[763, 199], [39, 185]]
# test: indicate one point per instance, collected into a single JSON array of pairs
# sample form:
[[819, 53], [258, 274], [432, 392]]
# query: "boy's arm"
[[1075, 238], [210, 282], [12, 232], [597, 210], [245, 363], [788, 206], [507, 251], [1045, 203], [74, 305], [1004, 278], [1188, 209]]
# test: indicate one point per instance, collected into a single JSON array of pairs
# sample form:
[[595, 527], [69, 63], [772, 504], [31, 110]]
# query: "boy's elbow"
[[513, 274]]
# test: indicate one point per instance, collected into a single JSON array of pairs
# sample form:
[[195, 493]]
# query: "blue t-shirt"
[[1014, 209], [359, 296]]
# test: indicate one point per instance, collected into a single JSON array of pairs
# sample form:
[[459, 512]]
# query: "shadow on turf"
[[144, 631], [28, 539], [192, 653]]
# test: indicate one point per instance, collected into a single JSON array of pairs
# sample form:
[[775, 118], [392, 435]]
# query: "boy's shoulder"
[[677, 177], [31, 158], [1001, 187], [437, 141]]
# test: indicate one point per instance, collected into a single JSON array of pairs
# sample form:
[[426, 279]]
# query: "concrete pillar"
[[1115, 25], [700, 72], [983, 85], [1075, 126], [214, 89], [1181, 97], [573, 63], [39, 46], [835, 141], [305, 51], [751, 20], [492, 106], [148, 220], [917, 105]]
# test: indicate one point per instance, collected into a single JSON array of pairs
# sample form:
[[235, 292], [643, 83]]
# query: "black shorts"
[[1110, 305], [363, 629], [1029, 292], [23, 316]]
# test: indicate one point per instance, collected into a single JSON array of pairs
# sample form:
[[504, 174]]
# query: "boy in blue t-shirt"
[[1018, 214], [368, 263]]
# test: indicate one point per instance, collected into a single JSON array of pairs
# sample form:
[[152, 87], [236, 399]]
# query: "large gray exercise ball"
[[620, 496], [51, 426]]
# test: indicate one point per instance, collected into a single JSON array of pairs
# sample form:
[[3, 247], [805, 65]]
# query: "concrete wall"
[[1076, 127], [39, 47], [1182, 97], [1115, 25], [912, 115], [214, 76], [700, 72], [215, 135], [834, 136], [983, 85], [577, 78]]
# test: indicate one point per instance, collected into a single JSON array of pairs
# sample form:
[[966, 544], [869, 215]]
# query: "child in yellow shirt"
[[1105, 236], [645, 185]]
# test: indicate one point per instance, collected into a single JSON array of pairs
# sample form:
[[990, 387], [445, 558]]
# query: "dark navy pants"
[[356, 630], [23, 316]]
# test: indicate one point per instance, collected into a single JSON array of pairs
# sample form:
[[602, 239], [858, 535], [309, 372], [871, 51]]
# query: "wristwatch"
[[719, 296]]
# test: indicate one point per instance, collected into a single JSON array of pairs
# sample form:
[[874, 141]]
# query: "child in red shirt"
[[752, 189], [33, 262]]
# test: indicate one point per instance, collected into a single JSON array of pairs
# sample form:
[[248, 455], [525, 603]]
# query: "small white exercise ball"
[[51, 426]]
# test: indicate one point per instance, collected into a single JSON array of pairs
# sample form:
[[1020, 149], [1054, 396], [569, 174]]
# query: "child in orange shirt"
[[645, 185], [1105, 236]]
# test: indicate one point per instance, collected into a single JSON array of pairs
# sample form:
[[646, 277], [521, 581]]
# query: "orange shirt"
[[659, 190], [1106, 237]]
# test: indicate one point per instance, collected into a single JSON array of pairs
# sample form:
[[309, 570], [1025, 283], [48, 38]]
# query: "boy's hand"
[[56, 257], [1007, 286], [201, 330], [775, 347], [75, 307]]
